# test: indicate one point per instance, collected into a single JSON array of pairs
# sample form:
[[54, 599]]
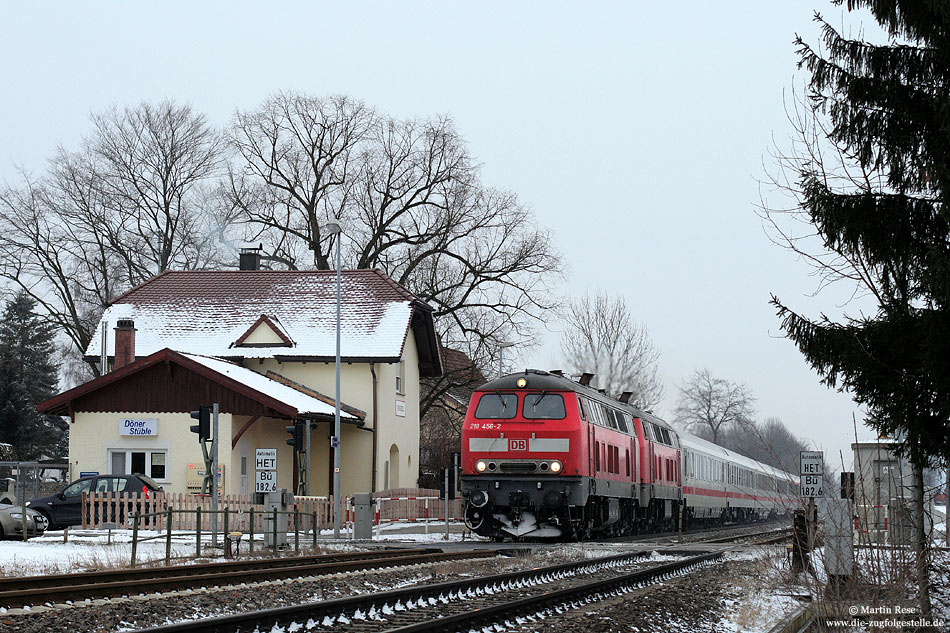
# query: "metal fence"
[[22, 481]]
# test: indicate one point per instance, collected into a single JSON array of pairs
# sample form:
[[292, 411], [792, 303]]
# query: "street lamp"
[[501, 351], [333, 228]]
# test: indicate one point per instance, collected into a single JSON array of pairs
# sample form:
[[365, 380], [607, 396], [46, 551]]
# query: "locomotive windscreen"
[[544, 406], [497, 406]]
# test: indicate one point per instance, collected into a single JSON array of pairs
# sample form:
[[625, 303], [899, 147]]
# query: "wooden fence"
[[403, 504]]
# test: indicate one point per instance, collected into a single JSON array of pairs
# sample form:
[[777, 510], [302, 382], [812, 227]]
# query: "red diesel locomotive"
[[544, 456]]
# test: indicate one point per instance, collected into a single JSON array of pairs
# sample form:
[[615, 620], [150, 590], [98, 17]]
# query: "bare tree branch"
[[601, 337]]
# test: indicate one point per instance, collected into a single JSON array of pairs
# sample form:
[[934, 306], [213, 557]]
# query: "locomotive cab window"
[[544, 406], [497, 406]]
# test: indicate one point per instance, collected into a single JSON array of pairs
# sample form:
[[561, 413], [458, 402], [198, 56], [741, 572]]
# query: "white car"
[[11, 522]]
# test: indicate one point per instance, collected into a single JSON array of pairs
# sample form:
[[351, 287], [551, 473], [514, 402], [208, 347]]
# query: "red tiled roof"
[[189, 286], [206, 312]]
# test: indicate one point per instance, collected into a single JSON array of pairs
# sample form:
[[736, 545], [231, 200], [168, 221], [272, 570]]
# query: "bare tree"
[[297, 168], [129, 204], [769, 442], [601, 337], [411, 203], [709, 405]]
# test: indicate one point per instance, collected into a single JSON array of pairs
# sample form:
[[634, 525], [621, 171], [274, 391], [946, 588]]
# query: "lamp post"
[[333, 228], [501, 351]]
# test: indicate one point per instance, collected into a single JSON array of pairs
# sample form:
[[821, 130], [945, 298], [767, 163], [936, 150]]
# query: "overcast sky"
[[636, 132]]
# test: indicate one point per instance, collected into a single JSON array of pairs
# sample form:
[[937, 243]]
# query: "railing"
[[301, 522], [118, 509]]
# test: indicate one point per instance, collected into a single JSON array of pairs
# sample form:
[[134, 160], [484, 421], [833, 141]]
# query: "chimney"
[[250, 258], [124, 343]]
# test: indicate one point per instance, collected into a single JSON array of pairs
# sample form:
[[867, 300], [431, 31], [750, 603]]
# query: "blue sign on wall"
[[91, 473]]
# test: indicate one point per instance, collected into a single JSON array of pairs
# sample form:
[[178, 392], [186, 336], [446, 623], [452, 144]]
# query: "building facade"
[[260, 344]]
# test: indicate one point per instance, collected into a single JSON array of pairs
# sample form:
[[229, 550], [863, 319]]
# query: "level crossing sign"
[[265, 466], [811, 469]]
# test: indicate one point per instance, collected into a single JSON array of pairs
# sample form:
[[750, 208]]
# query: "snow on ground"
[[761, 601], [88, 550]]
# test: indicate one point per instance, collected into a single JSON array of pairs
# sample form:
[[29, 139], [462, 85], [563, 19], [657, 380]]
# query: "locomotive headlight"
[[521, 382], [481, 465], [556, 467]]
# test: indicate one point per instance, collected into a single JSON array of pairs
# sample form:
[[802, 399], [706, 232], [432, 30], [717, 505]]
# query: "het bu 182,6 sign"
[[811, 467], [266, 470]]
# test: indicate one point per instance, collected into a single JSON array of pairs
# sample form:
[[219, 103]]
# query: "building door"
[[394, 466], [243, 484]]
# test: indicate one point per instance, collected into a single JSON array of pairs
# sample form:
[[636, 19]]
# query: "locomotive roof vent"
[[557, 372], [586, 378], [625, 397]]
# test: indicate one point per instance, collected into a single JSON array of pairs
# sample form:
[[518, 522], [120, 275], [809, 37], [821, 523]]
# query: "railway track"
[[738, 531], [32, 590], [465, 604]]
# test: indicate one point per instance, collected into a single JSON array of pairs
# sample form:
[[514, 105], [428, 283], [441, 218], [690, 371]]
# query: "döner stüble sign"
[[132, 426]]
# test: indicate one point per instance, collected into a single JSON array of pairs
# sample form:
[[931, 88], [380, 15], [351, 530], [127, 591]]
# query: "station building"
[[262, 345]]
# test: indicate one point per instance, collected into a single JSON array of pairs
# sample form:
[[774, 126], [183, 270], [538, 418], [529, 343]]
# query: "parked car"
[[65, 508], [11, 522]]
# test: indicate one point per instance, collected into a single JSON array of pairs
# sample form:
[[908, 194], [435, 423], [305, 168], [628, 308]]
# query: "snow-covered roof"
[[305, 404], [208, 312], [150, 384]]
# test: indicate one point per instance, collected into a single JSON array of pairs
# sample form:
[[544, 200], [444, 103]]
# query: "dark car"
[[65, 508]]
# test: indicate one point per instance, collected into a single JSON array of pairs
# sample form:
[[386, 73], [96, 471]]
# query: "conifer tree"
[[887, 109], [27, 377]]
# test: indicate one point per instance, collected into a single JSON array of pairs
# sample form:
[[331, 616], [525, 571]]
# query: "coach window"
[[544, 406], [497, 406]]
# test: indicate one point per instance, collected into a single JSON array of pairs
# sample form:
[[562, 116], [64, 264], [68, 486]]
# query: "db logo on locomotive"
[[518, 445]]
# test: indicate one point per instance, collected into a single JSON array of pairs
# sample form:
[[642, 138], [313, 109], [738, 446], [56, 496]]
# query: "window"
[[626, 460], [497, 406], [158, 466], [580, 407], [624, 421], [596, 455], [401, 377], [78, 488], [139, 462], [544, 406]]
